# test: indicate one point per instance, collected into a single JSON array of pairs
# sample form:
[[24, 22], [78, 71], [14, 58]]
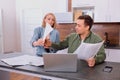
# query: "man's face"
[[81, 28]]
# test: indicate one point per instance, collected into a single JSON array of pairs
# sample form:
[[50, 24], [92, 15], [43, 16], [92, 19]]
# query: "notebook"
[[60, 62]]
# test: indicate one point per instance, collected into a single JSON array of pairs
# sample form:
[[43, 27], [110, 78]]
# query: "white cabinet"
[[100, 11], [114, 10], [104, 10], [82, 3], [107, 11], [112, 55]]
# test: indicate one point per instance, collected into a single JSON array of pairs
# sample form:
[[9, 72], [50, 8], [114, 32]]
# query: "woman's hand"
[[91, 62], [39, 42]]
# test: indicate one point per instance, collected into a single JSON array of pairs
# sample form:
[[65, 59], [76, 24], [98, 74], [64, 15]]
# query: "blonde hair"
[[55, 23]]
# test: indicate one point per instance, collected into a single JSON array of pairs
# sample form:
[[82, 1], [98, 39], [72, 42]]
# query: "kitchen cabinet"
[[82, 3], [100, 11], [104, 10], [114, 10], [107, 11], [112, 55], [4, 75]]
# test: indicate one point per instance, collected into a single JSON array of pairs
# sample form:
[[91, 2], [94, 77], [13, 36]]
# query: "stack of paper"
[[88, 50], [24, 60]]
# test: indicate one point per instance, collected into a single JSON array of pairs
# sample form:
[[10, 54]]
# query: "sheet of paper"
[[36, 61], [88, 50], [48, 29], [20, 60], [63, 51], [24, 60]]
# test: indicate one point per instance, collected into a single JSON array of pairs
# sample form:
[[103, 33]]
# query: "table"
[[83, 71]]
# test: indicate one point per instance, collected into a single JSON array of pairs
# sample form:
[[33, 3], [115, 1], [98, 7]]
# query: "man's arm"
[[101, 56], [61, 45]]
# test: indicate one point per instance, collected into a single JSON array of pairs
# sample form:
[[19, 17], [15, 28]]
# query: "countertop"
[[83, 72], [113, 47]]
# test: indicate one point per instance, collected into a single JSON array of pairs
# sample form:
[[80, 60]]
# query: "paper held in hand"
[[48, 29], [88, 50]]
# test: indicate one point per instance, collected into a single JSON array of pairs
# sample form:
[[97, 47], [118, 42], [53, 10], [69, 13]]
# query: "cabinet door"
[[101, 11], [107, 11], [114, 10], [31, 19], [107, 54], [82, 3], [113, 55], [4, 75]]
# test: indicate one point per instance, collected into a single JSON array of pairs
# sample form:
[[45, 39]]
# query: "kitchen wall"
[[12, 18], [112, 29], [9, 25], [37, 9]]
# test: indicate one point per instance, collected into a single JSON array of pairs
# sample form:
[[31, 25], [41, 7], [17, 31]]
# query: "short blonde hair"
[[55, 23]]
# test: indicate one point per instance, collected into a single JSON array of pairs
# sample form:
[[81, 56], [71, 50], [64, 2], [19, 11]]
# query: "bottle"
[[107, 41]]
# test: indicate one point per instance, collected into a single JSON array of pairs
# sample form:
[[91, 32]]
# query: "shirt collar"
[[86, 36], [89, 34]]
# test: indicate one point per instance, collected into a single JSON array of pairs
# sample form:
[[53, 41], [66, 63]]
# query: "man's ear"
[[87, 27]]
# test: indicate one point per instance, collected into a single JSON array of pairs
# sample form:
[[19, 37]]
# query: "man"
[[83, 33]]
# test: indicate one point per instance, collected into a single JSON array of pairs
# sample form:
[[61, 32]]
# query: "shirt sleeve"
[[61, 45], [101, 56], [57, 37], [35, 36]]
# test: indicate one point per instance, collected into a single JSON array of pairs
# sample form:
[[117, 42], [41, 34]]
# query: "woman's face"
[[50, 19]]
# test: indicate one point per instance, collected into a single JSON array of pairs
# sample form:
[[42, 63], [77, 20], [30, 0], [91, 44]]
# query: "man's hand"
[[47, 43], [91, 62]]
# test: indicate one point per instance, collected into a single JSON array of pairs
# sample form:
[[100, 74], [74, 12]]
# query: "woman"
[[37, 40]]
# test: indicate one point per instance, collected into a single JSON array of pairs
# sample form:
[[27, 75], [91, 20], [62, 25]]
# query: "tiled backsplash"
[[112, 30]]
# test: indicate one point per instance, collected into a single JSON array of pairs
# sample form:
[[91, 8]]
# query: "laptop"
[[60, 62]]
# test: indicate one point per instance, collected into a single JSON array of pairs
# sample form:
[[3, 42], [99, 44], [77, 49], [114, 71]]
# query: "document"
[[48, 29], [63, 51], [36, 61], [24, 60], [88, 50]]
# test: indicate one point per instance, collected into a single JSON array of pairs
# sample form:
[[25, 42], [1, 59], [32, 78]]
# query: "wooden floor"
[[16, 76]]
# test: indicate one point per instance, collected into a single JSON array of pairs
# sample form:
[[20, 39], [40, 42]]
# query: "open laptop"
[[60, 62]]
